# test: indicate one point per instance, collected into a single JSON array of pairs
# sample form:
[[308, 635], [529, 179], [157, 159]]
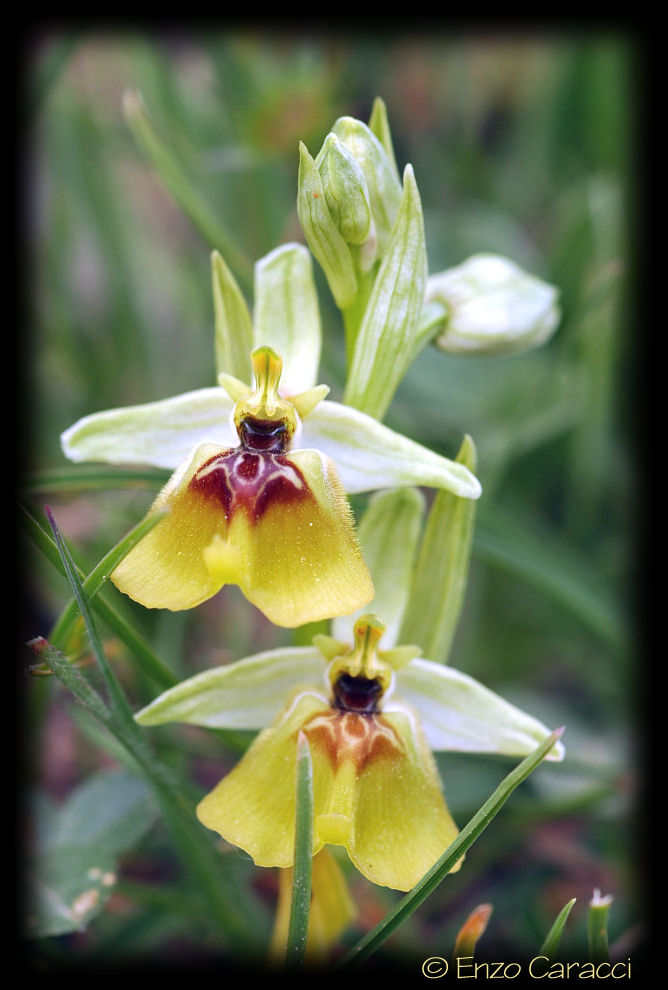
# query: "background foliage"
[[522, 144]]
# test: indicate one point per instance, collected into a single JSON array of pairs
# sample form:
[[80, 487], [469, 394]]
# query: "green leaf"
[[441, 573], [372, 941], [553, 937], [76, 861], [300, 905]]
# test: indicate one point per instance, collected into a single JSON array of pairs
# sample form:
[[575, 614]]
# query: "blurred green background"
[[522, 144]]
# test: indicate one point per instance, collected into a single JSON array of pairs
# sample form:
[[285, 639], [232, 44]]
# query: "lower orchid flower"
[[372, 718]]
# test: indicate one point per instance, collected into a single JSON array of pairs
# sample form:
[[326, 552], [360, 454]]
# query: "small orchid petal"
[[370, 456], [162, 434], [458, 713]]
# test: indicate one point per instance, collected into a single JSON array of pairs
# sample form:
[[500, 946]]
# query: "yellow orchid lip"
[[273, 520]]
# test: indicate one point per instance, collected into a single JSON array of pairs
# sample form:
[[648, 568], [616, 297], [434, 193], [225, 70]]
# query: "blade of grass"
[[199, 857], [597, 928], [64, 626], [372, 941], [553, 937], [92, 476], [151, 664], [181, 188], [117, 699], [300, 905]]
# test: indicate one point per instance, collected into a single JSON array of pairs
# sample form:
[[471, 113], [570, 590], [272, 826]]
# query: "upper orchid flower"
[[258, 494]]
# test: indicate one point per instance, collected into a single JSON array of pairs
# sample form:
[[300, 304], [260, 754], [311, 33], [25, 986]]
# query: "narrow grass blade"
[[181, 188], [117, 699], [64, 627], [408, 904], [200, 858], [553, 937], [89, 477], [597, 928], [141, 650], [301, 883]]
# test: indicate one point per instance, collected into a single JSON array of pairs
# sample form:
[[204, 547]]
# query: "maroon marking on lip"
[[250, 479], [358, 736]]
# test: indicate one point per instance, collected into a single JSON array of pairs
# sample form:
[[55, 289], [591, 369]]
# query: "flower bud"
[[383, 183], [345, 190], [493, 307]]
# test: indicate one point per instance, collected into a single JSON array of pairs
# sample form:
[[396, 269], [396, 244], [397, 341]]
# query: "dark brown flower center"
[[357, 694]]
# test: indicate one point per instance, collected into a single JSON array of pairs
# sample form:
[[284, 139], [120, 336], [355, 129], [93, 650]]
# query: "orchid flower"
[[372, 717], [257, 497]]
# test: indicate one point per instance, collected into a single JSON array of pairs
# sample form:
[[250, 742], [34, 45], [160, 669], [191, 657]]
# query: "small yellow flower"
[[271, 519], [371, 719]]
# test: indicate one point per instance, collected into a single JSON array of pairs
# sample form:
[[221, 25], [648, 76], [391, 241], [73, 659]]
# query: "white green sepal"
[[370, 456], [460, 714], [160, 434], [247, 694]]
